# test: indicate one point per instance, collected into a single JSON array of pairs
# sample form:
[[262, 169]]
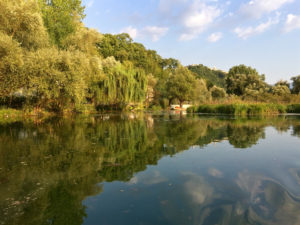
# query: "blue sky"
[[264, 34]]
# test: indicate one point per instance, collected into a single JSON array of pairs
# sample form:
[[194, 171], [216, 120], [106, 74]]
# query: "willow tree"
[[121, 85]]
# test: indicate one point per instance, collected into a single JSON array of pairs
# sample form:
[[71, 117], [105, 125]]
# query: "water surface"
[[150, 169]]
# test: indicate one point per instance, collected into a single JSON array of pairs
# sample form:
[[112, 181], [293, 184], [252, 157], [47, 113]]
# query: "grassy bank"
[[8, 115], [246, 109]]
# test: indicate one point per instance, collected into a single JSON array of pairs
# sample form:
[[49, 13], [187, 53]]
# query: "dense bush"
[[294, 108]]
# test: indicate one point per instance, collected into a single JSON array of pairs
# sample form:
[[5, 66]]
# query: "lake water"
[[150, 170]]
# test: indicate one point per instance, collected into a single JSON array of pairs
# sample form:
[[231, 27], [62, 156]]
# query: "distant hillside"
[[213, 77]]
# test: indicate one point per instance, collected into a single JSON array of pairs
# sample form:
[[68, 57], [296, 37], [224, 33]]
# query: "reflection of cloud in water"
[[197, 188], [215, 172], [133, 180], [154, 177], [249, 184], [296, 174], [249, 199], [270, 202]]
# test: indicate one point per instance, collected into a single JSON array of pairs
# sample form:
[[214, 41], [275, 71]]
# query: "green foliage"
[[121, 86], [242, 109], [61, 18], [11, 62], [281, 88], [181, 85], [192, 109], [243, 80], [296, 85], [123, 49], [294, 108], [56, 78], [84, 40], [212, 77], [217, 92], [83, 68], [201, 93], [6, 112], [22, 21]]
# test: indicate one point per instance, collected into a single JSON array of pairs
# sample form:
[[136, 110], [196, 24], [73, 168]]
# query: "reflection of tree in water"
[[244, 136], [296, 130], [49, 169]]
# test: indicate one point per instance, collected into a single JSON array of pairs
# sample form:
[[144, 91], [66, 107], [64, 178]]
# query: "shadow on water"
[[47, 170]]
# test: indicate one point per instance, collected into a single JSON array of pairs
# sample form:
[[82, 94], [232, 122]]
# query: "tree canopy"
[[181, 85], [243, 80], [296, 84]]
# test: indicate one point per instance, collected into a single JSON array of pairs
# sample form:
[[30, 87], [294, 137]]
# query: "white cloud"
[[198, 18], [90, 4], [214, 37], [292, 22], [167, 5], [247, 32], [187, 36], [256, 8], [133, 32], [154, 32]]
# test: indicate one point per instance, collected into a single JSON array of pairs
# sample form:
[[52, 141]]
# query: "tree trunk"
[[181, 104]]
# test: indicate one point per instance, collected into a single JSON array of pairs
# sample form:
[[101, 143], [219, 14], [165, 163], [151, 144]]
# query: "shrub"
[[295, 108]]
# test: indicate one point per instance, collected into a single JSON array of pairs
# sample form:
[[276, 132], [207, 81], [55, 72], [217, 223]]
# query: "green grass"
[[10, 115], [240, 109]]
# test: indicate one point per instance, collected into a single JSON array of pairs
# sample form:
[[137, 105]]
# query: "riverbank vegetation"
[[49, 61], [243, 109]]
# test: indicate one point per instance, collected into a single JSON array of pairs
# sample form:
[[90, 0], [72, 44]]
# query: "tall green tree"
[[122, 85], [61, 18], [57, 78], [22, 21], [21, 31], [296, 85], [181, 85], [281, 88], [243, 80]]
